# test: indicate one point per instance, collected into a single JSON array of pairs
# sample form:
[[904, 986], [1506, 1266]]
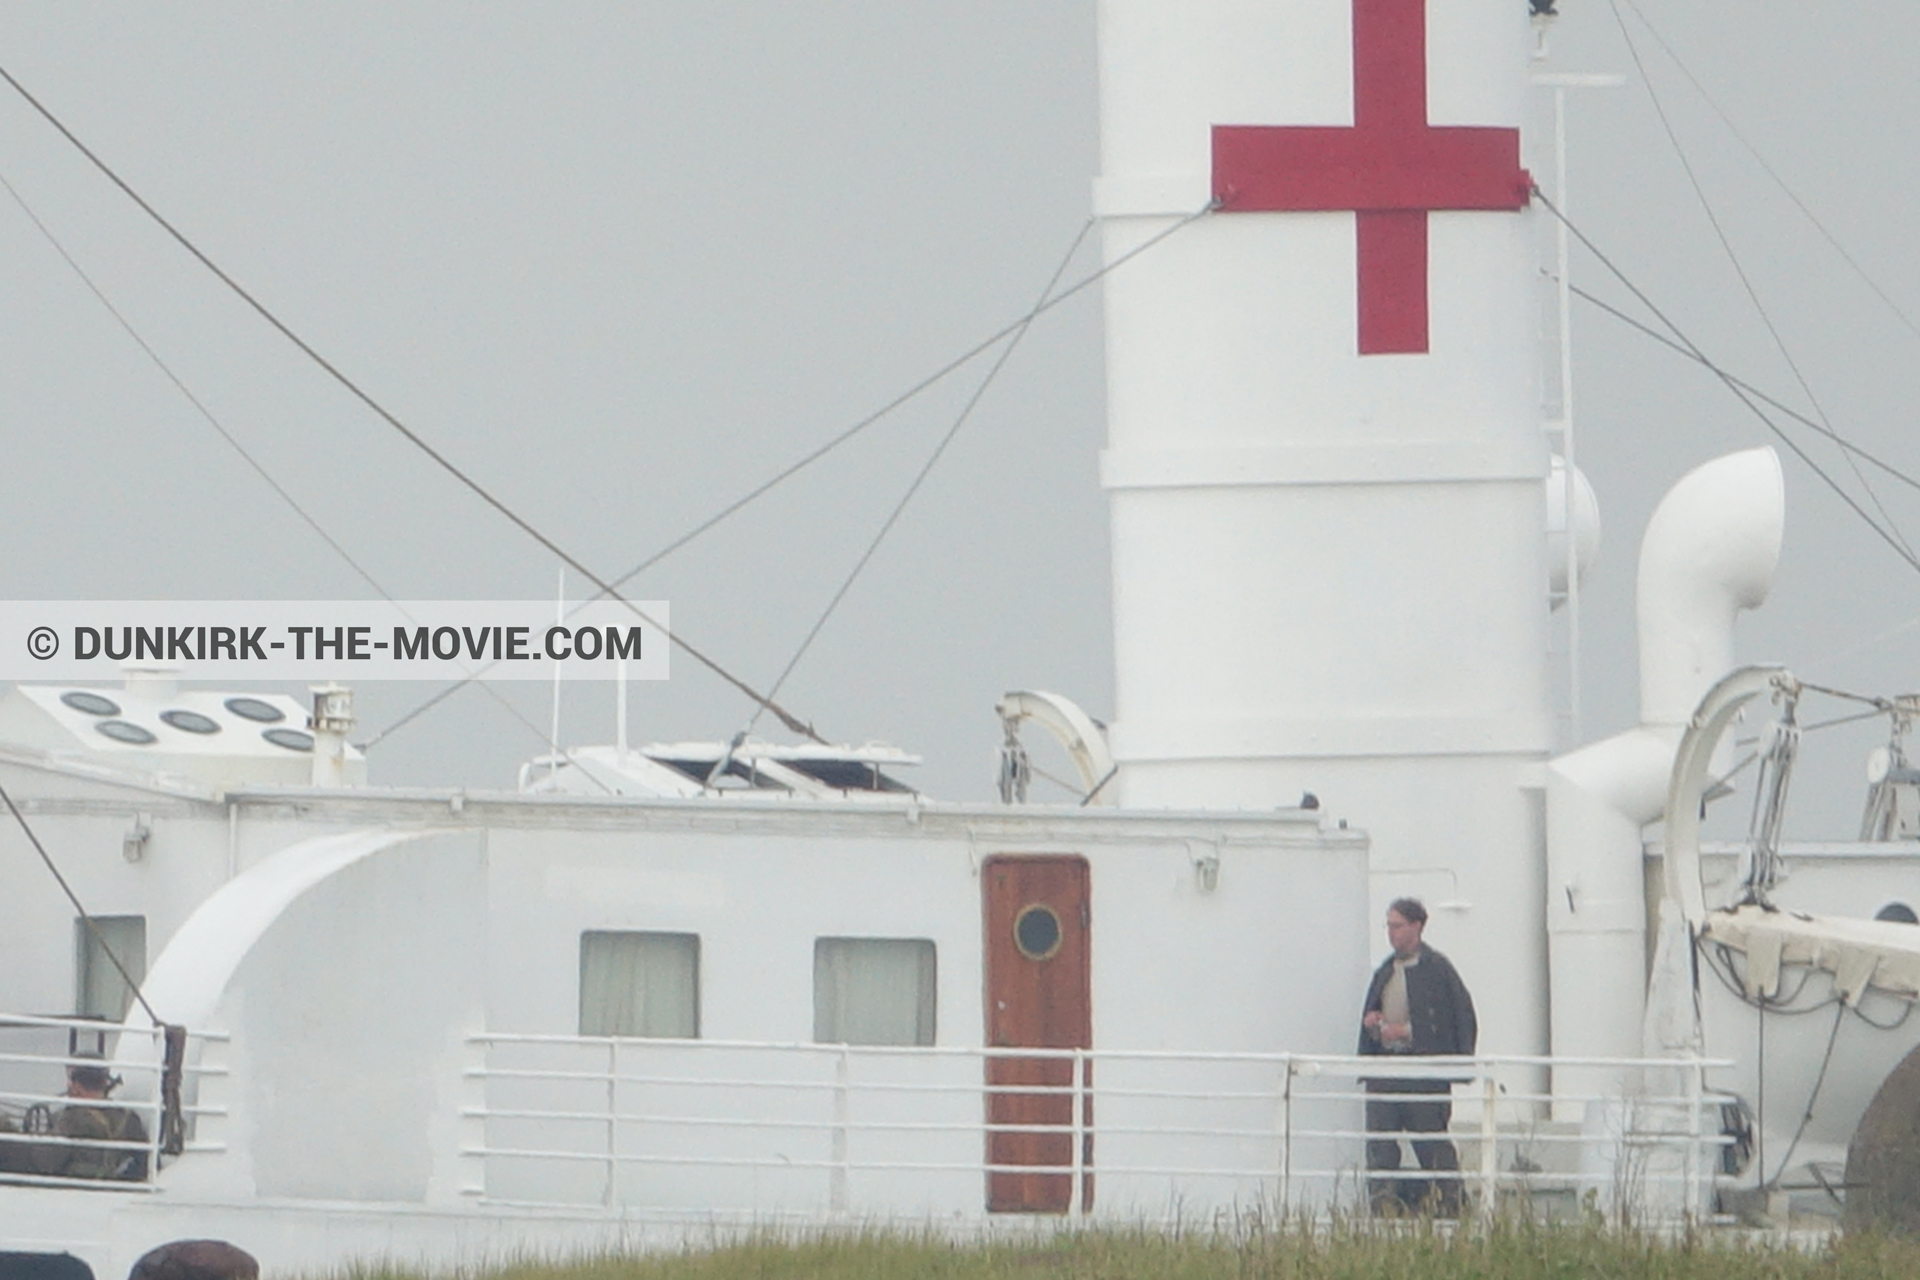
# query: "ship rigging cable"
[[1813, 1095], [446, 464], [939, 450], [1731, 383], [1735, 381], [86, 918], [966, 357], [1746, 282], [1881, 707], [1759, 159], [171, 1117], [806, 460], [207, 415]]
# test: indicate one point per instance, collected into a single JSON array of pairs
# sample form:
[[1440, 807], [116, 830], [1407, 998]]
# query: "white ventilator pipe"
[[1329, 567], [1709, 552]]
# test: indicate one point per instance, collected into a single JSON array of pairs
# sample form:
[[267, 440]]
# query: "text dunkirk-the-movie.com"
[[79, 640]]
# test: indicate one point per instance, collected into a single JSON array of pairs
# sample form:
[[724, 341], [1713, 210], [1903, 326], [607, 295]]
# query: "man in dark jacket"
[[1416, 1005]]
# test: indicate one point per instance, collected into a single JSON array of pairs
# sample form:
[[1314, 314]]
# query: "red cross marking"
[[1391, 168]]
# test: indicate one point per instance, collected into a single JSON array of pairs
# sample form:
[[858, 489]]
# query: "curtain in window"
[[873, 990], [640, 984], [102, 992]]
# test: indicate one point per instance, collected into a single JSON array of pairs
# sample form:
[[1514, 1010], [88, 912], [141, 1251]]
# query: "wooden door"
[[1039, 995]]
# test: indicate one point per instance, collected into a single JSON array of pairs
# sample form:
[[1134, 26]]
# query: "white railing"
[[815, 1129], [50, 1137]]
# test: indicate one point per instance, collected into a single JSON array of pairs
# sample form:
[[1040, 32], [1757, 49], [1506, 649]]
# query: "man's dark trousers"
[[1390, 1115]]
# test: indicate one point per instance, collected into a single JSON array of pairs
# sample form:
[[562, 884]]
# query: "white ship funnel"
[[1325, 465]]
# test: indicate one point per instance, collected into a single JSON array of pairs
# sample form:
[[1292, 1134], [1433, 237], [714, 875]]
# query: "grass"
[[1417, 1252]]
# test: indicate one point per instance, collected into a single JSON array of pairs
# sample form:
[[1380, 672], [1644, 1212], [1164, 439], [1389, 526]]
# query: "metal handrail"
[[152, 1111], [1296, 1142]]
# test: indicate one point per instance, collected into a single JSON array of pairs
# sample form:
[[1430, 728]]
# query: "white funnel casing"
[[1709, 552], [1329, 568]]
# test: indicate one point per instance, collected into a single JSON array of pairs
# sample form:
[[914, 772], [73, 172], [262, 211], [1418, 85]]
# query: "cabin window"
[[873, 990], [640, 984], [102, 991]]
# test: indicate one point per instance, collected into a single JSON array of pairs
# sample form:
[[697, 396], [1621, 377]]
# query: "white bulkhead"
[[360, 954], [1329, 566]]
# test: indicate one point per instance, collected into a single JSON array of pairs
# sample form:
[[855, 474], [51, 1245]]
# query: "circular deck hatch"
[[91, 703], [256, 710], [190, 721]]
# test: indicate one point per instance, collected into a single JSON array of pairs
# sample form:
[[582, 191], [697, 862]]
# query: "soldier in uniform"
[[90, 1118]]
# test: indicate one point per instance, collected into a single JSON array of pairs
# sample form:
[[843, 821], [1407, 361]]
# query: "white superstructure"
[[415, 1015], [663, 987]]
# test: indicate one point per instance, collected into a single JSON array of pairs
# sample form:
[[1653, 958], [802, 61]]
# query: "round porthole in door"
[[1036, 931]]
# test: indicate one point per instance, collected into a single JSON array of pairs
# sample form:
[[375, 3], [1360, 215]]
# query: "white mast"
[[1330, 568]]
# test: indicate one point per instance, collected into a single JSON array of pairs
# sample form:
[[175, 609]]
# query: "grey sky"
[[624, 261]]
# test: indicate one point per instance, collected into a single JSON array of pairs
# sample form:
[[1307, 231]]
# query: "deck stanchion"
[[1077, 1191], [472, 1182], [613, 1123], [837, 1191], [1160, 1134], [1286, 1134], [1693, 1071], [1489, 1148]]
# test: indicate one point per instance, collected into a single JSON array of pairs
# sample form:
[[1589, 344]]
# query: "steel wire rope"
[[1733, 380], [199, 406], [1872, 700], [1855, 718], [1746, 282], [1731, 384], [1749, 740], [208, 416], [808, 459], [1058, 781], [1769, 170], [939, 450], [1099, 786], [1778, 1005], [966, 357], [1906, 1011], [85, 916], [1713, 784], [1813, 1095], [412, 437]]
